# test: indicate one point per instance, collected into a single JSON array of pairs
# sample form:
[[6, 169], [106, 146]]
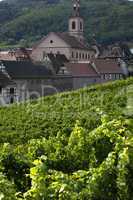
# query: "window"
[[2, 67], [86, 56], [63, 71], [120, 75], [72, 54], [11, 100], [113, 75], [83, 55], [102, 77], [110, 76], [77, 55], [81, 26], [117, 76], [12, 90], [73, 25], [80, 55], [106, 77], [51, 41], [0, 89], [44, 54], [38, 81]]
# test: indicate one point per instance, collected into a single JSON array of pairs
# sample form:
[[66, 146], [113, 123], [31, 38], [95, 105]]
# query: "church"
[[59, 62], [72, 43]]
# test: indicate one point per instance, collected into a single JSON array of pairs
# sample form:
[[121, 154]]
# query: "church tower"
[[76, 22]]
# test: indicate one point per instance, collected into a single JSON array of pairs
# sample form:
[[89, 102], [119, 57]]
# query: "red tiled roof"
[[107, 66], [7, 56], [13, 55], [81, 69]]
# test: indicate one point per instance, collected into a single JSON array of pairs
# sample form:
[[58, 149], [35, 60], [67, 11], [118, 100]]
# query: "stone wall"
[[35, 88], [26, 89], [80, 82]]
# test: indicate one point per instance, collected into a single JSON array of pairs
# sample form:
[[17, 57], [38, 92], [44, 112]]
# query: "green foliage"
[[7, 189], [107, 180], [71, 146], [24, 22]]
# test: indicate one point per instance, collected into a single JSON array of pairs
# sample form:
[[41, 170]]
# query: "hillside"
[[25, 22], [75, 146]]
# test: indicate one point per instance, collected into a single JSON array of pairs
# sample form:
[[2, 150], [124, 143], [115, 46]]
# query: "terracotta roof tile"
[[7, 56], [107, 66], [81, 69]]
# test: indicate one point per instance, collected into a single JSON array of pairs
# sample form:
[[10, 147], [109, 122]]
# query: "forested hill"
[[25, 21]]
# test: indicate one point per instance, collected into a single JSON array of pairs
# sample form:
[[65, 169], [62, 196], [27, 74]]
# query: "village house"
[[23, 80], [59, 62], [15, 54]]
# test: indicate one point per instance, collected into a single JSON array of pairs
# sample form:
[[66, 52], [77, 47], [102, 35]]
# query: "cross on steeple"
[[76, 8]]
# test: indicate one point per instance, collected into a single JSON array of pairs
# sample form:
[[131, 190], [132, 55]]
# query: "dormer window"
[[73, 25]]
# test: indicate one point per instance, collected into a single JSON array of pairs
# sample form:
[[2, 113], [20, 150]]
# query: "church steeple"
[[76, 22], [76, 8]]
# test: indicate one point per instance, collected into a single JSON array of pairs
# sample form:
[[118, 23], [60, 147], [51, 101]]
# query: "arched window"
[[77, 54], [81, 26], [73, 25], [12, 90], [86, 56], [72, 54]]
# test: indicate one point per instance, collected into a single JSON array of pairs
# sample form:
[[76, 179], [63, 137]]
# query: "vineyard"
[[71, 146]]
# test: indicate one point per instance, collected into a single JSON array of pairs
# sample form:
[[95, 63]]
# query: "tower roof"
[[76, 8]]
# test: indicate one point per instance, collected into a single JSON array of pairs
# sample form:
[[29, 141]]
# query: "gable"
[[52, 41]]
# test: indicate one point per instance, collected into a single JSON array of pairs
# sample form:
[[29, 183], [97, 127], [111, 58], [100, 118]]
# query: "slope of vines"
[[75, 146]]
